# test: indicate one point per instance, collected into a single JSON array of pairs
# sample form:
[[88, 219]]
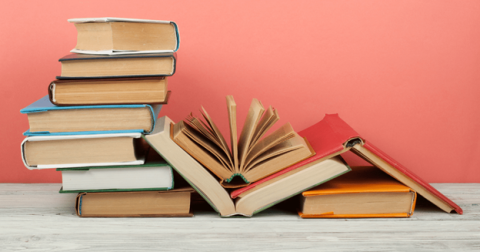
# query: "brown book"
[[364, 192], [46, 118], [39, 152], [150, 90], [82, 66], [173, 203], [250, 157], [124, 34]]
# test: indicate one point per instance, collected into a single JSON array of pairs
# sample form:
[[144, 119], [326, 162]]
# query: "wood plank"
[[35, 217]]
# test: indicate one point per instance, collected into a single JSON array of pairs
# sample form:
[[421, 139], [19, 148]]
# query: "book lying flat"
[[84, 66], [365, 192], [125, 35], [263, 197], [338, 137], [41, 152], [173, 203], [250, 157], [150, 90], [151, 176], [45, 118]]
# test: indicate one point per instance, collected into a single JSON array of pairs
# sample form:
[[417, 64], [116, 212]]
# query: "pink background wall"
[[404, 74]]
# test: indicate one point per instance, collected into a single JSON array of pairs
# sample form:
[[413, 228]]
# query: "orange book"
[[365, 192]]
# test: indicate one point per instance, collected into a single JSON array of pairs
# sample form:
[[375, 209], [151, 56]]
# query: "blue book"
[[45, 118]]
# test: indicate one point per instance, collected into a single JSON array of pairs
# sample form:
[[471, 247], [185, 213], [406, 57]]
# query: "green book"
[[151, 176]]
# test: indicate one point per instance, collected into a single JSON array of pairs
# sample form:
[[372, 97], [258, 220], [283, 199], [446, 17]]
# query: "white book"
[[151, 176]]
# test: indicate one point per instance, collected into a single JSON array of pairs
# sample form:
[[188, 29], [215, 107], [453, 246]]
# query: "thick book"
[[365, 192], [84, 66], [250, 157], [149, 90], [337, 137], [173, 203], [41, 152], [263, 197], [151, 176], [125, 35], [45, 118]]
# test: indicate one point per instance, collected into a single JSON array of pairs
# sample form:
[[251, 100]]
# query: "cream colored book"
[[250, 157], [114, 36]]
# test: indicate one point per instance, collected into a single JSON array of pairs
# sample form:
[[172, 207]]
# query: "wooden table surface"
[[35, 217]]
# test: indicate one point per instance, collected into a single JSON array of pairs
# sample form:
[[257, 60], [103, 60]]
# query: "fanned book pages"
[[272, 190], [252, 156], [125, 36]]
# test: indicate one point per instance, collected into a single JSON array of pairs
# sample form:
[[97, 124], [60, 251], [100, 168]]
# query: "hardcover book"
[[173, 203], [265, 195], [125, 35], [84, 66], [45, 118], [337, 137], [151, 176], [41, 152], [150, 90], [365, 192], [250, 157]]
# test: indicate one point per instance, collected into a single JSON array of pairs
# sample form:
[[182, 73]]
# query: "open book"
[[266, 193], [249, 157], [332, 136]]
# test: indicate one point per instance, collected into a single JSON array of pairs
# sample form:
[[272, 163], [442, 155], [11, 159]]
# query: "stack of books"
[[99, 127], [90, 125]]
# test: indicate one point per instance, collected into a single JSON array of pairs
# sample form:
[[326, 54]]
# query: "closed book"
[[45, 118], [109, 35], [365, 192], [151, 176], [173, 203], [42, 152], [85, 66], [149, 90]]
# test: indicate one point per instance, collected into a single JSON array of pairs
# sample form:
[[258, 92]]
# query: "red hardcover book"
[[332, 136]]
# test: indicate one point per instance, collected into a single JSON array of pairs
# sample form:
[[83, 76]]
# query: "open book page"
[[279, 149], [202, 128], [209, 148], [232, 119], [218, 135], [253, 117], [280, 135], [268, 120]]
